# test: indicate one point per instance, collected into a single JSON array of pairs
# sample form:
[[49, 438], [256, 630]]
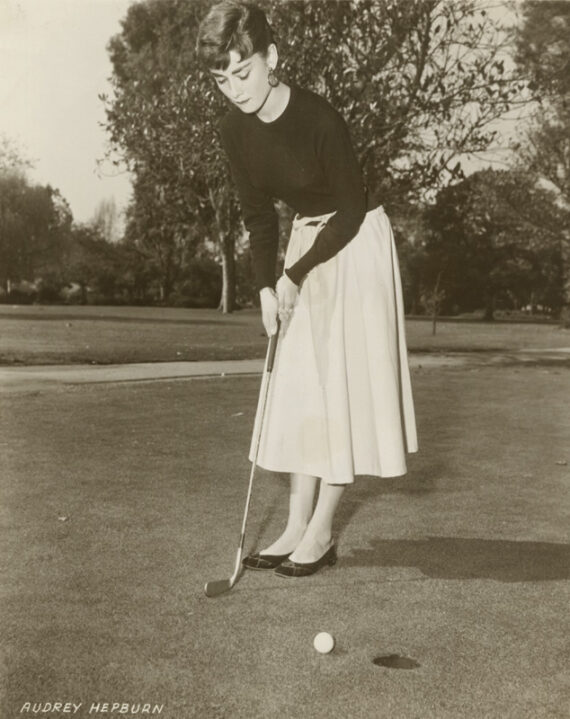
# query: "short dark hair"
[[232, 25]]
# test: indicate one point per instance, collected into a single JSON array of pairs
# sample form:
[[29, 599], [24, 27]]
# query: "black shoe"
[[287, 568], [262, 562]]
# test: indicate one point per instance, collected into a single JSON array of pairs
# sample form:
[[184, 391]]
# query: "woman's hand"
[[287, 293], [269, 309]]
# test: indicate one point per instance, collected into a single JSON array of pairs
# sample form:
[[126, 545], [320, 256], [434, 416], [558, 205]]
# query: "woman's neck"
[[277, 101]]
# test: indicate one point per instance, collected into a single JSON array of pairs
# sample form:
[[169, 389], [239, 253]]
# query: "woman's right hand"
[[269, 310]]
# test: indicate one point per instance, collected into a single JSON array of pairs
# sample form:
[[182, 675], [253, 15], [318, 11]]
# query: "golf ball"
[[323, 642]]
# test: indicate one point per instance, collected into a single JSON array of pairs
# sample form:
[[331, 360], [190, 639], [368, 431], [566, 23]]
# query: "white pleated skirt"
[[339, 400]]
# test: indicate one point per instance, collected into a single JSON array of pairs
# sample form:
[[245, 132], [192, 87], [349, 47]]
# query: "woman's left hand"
[[287, 293]]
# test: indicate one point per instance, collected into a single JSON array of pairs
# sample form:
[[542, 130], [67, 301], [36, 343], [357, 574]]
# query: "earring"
[[272, 78]]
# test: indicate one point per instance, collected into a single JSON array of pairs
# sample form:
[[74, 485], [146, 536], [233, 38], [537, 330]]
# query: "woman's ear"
[[272, 56]]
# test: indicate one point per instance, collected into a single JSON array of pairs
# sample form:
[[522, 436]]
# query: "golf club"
[[219, 586]]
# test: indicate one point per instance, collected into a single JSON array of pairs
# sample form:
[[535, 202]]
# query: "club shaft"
[[264, 391]]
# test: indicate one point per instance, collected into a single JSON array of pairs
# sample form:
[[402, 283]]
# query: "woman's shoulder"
[[311, 97], [318, 107]]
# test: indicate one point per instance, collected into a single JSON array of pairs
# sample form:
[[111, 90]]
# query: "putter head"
[[217, 587]]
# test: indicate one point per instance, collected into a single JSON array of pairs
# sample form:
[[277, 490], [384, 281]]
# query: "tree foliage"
[[34, 226], [496, 236], [419, 83], [11, 157], [106, 219], [543, 45], [162, 117], [543, 51]]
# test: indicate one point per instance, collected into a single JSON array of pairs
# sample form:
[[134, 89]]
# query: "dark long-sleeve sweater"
[[305, 158]]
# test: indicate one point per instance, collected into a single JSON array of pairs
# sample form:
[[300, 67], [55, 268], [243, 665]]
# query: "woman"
[[339, 403]]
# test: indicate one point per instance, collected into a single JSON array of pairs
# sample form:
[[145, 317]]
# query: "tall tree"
[[162, 117], [420, 83], [543, 50], [543, 45]]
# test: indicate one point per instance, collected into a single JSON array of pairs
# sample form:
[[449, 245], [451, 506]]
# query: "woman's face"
[[245, 82]]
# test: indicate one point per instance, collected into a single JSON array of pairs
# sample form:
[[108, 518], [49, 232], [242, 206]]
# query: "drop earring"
[[272, 78]]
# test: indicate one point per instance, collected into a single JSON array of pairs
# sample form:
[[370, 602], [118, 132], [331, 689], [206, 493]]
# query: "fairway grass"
[[117, 335], [119, 501]]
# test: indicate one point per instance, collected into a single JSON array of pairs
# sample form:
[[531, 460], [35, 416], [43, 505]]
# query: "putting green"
[[120, 500]]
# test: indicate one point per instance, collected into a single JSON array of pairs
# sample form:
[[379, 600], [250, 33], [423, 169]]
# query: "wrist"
[[288, 276], [266, 292]]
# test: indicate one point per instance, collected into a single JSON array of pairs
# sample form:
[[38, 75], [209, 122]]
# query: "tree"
[[12, 179], [105, 269], [543, 45], [106, 219], [156, 235], [495, 234], [543, 51], [34, 225], [11, 158], [162, 118], [420, 83]]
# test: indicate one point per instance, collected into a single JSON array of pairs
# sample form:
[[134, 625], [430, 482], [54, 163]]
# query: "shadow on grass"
[[464, 558]]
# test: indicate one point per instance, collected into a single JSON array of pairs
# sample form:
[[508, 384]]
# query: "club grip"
[[272, 348]]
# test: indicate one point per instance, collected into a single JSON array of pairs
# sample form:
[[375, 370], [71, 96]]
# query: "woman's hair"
[[232, 25]]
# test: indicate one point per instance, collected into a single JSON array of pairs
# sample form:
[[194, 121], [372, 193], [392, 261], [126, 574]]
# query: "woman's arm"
[[344, 177], [258, 213]]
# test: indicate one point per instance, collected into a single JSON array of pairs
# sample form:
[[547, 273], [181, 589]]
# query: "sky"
[[53, 65]]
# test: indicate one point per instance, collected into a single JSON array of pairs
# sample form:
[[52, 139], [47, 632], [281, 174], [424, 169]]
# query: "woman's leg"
[[301, 501], [318, 535]]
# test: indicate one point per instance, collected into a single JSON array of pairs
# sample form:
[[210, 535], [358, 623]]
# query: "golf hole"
[[395, 661]]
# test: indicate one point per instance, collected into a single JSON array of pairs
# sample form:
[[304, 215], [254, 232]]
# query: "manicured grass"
[[114, 335], [120, 501]]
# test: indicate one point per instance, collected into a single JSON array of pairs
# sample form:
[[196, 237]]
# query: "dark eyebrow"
[[246, 64]]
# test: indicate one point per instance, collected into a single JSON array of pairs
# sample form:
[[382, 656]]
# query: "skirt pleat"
[[339, 401]]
